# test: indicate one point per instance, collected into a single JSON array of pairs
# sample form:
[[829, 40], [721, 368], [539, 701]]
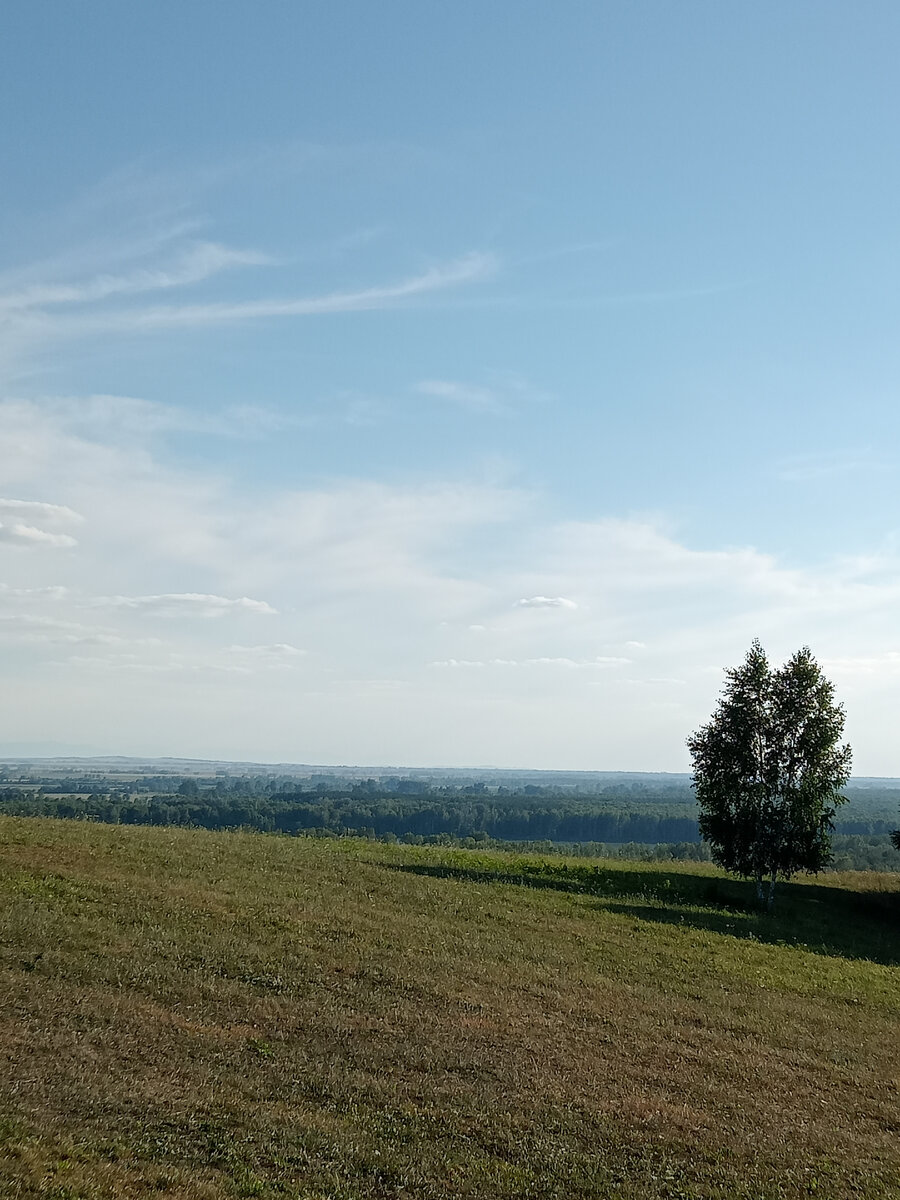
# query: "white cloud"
[[655, 681], [468, 662], [147, 656], [38, 510], [34, 628], [546, 602], [277, 650], [159, 664], [147, 518], [373, 541], [20, 532], [580, 663], [52, 592], [381, 580], [191, 604]]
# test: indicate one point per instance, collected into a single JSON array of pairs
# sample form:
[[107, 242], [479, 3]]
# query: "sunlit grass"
[[222, 1015]]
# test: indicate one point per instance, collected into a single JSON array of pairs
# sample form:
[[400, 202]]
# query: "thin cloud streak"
[[578, 664], [805, 468], [546, 302], [187, 604], [39, 510], [20, 534], [198, 263], [470, 396], [568, 251], [468, 269]]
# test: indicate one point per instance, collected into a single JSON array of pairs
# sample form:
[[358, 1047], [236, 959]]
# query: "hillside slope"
[[201, 1015]]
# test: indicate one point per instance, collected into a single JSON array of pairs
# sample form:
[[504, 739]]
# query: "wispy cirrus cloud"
[[804, 468], [504, 393], [129, 421], [467, 269], [567, 250], [103, 285], [196, 263], [465, 395]]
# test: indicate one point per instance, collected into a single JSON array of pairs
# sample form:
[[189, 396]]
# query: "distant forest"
[[628, 817]]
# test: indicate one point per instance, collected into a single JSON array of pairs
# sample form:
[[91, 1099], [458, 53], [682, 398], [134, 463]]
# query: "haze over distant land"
[[406, 384], [185, 767]]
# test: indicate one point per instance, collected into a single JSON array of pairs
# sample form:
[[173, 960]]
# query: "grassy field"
[[204, 1016]]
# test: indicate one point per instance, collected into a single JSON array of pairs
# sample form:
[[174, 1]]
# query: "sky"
[[429, 384]]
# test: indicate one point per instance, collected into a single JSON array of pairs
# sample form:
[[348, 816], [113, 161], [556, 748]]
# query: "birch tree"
[[769, 768]]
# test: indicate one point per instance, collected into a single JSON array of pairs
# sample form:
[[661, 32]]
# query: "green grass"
[[198, 1015]]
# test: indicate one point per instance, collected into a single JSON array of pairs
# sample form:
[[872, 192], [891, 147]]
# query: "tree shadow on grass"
[[826, 920]]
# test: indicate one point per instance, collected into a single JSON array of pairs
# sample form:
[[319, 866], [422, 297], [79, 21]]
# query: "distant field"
[[213, 1015]]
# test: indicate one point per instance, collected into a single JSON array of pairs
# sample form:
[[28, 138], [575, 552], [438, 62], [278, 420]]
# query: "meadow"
[[204, 1015]]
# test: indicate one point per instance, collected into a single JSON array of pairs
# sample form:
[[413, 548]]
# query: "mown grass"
[[201, 1015]]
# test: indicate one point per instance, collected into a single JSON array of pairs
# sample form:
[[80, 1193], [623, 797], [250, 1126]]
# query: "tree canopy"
[[768, 768]]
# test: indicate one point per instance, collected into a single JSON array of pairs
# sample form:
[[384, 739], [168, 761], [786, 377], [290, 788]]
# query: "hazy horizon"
[[379, 767]]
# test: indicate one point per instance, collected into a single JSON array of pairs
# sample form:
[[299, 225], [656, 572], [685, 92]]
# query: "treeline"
[[516, 821], [380, 815], [514, 817], [597, 827], [632, 794], [864, 852]]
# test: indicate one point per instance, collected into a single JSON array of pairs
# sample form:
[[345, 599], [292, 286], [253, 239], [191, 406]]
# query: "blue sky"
[[417, 383]]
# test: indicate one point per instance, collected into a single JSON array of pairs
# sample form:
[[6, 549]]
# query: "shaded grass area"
[[847, 921], [205, 1015]]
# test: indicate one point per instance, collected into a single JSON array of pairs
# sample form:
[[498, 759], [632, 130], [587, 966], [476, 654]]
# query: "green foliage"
[[769, 766], [648, 818]]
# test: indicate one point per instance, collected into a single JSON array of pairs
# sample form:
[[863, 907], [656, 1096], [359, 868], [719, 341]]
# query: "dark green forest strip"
[[651, 823]]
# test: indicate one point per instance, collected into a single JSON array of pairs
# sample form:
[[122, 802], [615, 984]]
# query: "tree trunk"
[[770, 899], [760, 895]]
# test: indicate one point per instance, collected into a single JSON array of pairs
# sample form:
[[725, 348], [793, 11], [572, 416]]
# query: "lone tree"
[[768, 769]]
